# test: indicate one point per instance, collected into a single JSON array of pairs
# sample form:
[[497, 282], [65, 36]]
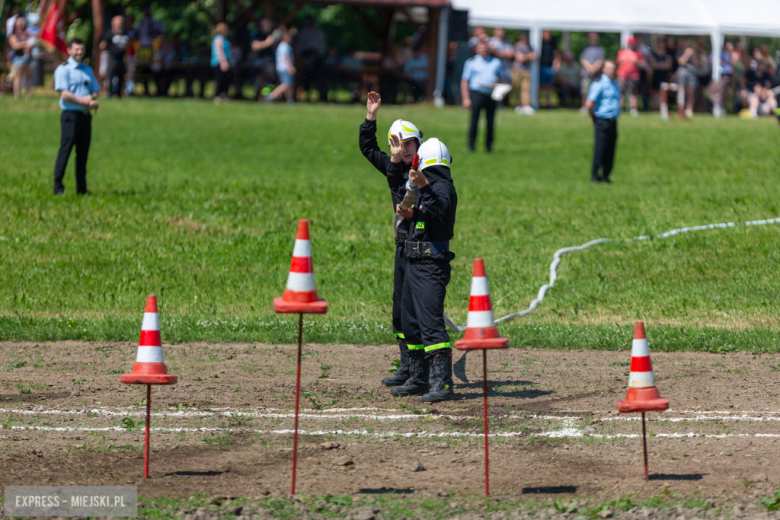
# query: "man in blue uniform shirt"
[[604, 106], [480, 74], [78, 89]]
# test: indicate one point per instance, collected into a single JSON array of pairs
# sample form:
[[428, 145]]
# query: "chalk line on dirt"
[[559, 253], [567, 433]]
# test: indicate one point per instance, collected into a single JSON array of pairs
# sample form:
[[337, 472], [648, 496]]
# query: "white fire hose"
[[559, 253]]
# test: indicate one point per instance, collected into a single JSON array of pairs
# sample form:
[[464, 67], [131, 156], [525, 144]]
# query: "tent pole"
[[717, 44], [441, 56], [535, 39]]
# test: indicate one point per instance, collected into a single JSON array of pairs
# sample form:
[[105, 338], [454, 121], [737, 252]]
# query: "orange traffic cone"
[[481, 330], [300, 296], [481, 334], [149, 368], [642, 395]]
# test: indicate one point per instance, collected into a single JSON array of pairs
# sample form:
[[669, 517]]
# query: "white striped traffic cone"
[[642, 395], [149, 368], [481, 330], [300, 296]]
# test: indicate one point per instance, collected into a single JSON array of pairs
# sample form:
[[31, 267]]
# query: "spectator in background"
[[766, 56], [11, 22], [644, 50], [591, 60], [718, 91], [480, 74], [661, 66], [416, 71], [569, 80], [285, 69], [500, 47], [604, 101], [312, 47], [115, 43], [21, 52], [220, 61], [548, 65], [755, 79], [263, 40], [521, 73], [480, 36], [703, 71], [761, 101], [629, 61], [686, 74]]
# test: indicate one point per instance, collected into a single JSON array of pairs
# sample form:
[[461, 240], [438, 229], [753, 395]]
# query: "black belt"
[[427, 248]]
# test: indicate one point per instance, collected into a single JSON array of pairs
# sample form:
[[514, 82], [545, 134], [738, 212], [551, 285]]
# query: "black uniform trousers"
[[76, 128], [399, 271], [604, 147], [116, 77], [422, 315], [478, 102]]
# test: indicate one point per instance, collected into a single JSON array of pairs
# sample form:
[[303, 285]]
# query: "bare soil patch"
[[224, 429]]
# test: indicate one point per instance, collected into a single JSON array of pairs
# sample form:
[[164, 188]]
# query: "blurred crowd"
[[748, 84], [281, 62], [284, 63]]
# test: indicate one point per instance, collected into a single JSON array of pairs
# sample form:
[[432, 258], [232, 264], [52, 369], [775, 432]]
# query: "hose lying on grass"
[[559, 253]]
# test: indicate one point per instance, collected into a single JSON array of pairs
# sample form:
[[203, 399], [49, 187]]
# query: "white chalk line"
[[559, 253], [181, 414], [565, 433], [324, 415]]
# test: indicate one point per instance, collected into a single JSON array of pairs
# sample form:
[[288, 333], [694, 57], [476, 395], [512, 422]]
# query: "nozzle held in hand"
[[416, 161]]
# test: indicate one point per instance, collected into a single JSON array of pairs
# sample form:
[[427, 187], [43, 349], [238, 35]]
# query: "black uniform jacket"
[[434, 212], [396, 173]]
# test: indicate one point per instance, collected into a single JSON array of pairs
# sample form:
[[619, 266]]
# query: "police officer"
[[396, 170], [78, 89], [603, 103], [480, 74], [427, 275]]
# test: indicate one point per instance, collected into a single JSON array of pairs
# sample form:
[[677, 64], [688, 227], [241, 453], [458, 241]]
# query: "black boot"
[[417, 384], [440, 362], [402, 372]]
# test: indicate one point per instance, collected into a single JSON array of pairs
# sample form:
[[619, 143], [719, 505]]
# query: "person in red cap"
[[629, 62], [396, 169]]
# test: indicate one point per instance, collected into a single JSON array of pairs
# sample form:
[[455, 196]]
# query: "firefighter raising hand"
[[396, 148], [372, 105]]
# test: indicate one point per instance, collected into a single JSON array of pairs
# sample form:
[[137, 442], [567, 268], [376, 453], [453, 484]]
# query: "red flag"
[[51, 30]]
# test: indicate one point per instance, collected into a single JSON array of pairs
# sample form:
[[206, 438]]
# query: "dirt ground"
[[225, 428]]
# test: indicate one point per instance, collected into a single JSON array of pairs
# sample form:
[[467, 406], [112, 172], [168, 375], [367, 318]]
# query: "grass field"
[[198, 204]]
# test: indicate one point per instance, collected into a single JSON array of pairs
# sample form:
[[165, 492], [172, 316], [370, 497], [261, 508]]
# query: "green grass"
[[199, 203]]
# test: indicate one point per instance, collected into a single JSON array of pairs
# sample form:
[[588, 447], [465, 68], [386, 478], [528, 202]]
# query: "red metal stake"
[[485, 396], [644, 443], [148, 418], [297, 397]]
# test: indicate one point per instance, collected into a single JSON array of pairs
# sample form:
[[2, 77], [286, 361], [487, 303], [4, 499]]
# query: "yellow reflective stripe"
[[399, 335], [408, 129], [415, 347], [438, 346], [431, 161], [445, 161], [420, 225]]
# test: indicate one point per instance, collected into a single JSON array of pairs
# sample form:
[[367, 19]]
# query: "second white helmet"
[[433, 152], [407, 131]]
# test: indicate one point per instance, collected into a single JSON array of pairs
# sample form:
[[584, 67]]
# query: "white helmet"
[[434, 152], [407, 131]]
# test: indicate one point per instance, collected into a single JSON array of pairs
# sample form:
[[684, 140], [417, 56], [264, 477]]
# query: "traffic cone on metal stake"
[[481, 334], [149, 368], [642, 395], [300, 296]]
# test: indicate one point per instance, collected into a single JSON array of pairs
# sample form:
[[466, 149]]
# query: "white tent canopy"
[[711, 17]]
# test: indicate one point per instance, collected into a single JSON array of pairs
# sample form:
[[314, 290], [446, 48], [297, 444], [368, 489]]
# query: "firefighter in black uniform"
[[396, 169], [428, 273]]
